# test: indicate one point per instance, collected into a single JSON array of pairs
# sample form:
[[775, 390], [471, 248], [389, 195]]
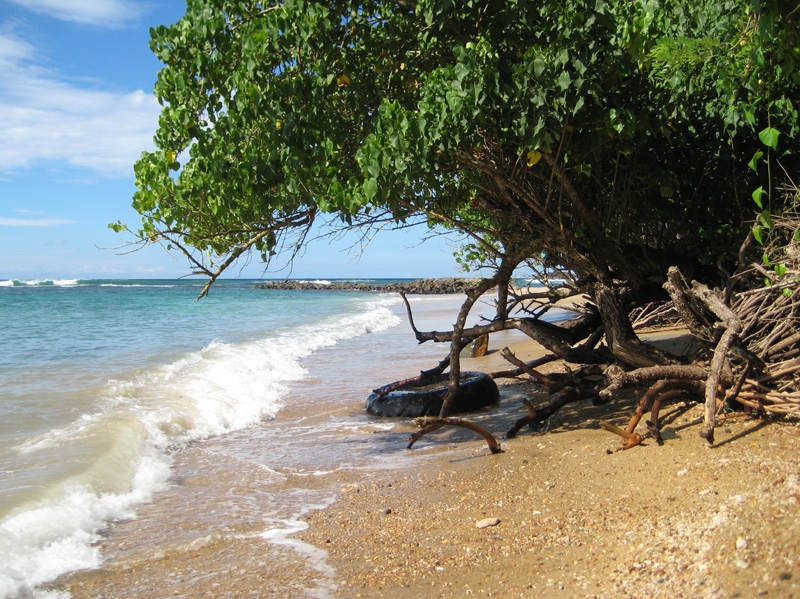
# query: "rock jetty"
[[419, 286]]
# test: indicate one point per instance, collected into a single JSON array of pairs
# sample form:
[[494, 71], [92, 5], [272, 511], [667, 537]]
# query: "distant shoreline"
[[433, 286]]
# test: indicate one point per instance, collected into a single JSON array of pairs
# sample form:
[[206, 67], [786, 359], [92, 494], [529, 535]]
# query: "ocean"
[[130, 410]]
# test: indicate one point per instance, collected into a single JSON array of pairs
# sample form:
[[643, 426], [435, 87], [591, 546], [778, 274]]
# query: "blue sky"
[[76, 110]]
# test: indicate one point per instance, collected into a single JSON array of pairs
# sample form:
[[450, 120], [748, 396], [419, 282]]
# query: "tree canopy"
[[611, 140], [599, 136]]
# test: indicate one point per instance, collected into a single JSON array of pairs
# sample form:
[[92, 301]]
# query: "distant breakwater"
[[419, 286]]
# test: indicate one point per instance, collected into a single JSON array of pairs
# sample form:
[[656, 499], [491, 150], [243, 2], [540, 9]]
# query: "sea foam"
[[43, 543], [40, 282], [219, 389]]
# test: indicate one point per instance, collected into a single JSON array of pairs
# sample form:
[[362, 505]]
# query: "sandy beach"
[[570, 517]]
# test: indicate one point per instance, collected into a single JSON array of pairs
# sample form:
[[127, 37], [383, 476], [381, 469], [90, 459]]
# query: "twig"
[[431, 424], [509, 356], [514, 372]]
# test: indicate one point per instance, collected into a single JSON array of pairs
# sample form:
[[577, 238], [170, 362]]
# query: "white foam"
[[35, 282], [166, 286], [39, 545], [221, 388], [40, 282], [279, 533], [235, 386], [316, 282], [56, 437], [227, 386]]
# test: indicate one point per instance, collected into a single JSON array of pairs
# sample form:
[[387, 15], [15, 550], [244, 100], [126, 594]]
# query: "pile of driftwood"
[[747, 336], [770, 318]]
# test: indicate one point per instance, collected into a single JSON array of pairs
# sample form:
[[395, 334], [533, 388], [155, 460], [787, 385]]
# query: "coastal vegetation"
[[639, 153]]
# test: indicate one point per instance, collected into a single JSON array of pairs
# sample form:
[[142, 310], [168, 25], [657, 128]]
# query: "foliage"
[[609, 139]]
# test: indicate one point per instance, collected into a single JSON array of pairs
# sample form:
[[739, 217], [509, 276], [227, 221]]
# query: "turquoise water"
[[114, 393], [101, 382]]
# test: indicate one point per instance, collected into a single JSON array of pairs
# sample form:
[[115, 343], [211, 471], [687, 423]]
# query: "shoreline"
[[575, 517], [575, 521]]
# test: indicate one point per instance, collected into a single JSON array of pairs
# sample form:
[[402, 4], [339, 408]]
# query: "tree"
[[608, 140]]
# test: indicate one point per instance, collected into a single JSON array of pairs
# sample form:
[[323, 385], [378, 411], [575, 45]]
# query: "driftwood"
[[530, 371], [515, 372], [428, 425], [657, 395], [556, 402], [628, 439], [746, 336], [731, 327]]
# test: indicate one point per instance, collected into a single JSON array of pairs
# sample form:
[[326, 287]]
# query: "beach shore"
[[570, 516]]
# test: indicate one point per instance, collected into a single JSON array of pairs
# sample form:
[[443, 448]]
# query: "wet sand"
[[575, 518]]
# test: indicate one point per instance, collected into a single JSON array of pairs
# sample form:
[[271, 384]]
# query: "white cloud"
[[50, 121], [13, 49], [35, 222], [105, 13]]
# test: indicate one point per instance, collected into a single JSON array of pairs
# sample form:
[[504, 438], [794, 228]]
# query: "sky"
[[76, 111]]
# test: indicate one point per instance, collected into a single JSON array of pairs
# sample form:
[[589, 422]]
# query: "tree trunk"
[[621, 339]]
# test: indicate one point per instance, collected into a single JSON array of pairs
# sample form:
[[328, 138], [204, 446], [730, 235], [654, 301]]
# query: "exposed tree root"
[[628, 439], [655, 314], [656, 396], [746, 336], [430, 424], [515, 372], [543, 412], [642, 376], [534, 374]]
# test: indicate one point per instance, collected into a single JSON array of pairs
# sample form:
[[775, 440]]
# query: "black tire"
[[425, 398]]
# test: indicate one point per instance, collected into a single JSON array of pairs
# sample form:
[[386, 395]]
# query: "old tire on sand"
[[425, 398]]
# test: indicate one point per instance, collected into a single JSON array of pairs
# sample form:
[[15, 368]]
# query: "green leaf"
[[780, 269], [757, 234], [455, 101], [787, 293], [308, 108], [769, 137], [765, 259], [758, 58], [766, 219], [753, 164], [757, 196], [370, 188], [538, 66], [766, 26]]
